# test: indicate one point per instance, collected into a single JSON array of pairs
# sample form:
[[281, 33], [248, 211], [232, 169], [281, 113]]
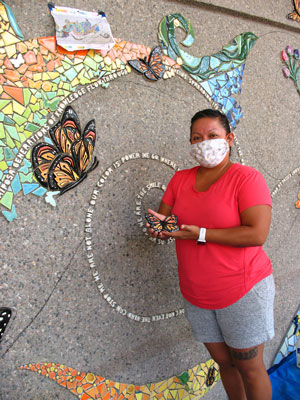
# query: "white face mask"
[[210, 153]]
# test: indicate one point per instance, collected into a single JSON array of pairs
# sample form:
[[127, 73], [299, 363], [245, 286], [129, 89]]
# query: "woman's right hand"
[[152, 232]]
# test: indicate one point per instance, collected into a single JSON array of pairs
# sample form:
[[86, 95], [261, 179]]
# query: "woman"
[[224, 214]]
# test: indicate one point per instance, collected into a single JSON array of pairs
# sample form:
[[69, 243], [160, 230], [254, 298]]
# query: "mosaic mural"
[[39, 79], [290, 58], [288, 344], [191, 384]]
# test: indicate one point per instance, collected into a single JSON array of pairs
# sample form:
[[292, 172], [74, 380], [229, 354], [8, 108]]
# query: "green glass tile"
[[98, 58], [34, 107], [27, 96], [90, 74], [44, 112], [1, 116], [60, 70], [12, 131], [56, 80], [50, 95], [38, 119], [2, 143], [27, 112], [1, 154], [60, 92], [3, 103], [7, 199], [2, 131], [3, 165], [38, 95], [90, 62], [71, 74], [27, 134], [8, 120], [67, 60], [78, 67], [108, 68], [32, 127], [26, 177], [22, 137], [9, 154], [66, 66], [19, 119]]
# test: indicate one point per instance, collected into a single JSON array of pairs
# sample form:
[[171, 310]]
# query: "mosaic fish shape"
[[39, 79], [191, 384]]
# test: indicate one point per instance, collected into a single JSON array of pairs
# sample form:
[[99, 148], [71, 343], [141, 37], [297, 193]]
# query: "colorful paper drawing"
[[39, 79], [78, 30], [191, 384]]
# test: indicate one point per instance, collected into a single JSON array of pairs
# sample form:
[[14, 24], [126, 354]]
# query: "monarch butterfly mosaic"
[[153, 68], [169, 224], [64, 164], [295, 15]]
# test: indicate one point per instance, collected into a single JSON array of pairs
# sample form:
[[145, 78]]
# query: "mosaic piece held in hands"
[[169, 224], [191, 384], [39, 79]]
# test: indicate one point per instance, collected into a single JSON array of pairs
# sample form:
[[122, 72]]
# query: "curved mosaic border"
[[191, 384], [38, 79]]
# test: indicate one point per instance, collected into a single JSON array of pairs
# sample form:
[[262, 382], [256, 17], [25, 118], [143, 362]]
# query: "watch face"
[[201, 242]]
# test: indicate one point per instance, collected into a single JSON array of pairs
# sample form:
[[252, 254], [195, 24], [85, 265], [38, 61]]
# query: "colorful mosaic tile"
[[220, 75], [290, 70], [39, 79], [191, 384], [288, 344], [295, 14]]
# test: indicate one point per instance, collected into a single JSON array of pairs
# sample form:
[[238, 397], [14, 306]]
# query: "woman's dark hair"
[[212, 114]]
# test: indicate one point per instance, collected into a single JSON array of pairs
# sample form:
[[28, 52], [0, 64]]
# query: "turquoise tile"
[[16, 185], [29, 187]]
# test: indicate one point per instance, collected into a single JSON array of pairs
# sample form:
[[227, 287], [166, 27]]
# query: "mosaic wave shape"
[[191, 384], [38, 79], [220, 74]]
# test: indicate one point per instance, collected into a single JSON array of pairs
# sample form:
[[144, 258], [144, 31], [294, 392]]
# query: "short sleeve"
[[169, 195], [253, 191]]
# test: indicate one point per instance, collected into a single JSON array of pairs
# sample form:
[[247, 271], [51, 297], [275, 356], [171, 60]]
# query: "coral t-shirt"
[[214, 276]]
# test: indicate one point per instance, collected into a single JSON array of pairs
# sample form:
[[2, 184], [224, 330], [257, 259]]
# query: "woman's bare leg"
[[230, 376], [251, 367]]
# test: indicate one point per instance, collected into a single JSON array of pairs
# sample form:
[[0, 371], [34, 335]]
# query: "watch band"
[[201, 238]]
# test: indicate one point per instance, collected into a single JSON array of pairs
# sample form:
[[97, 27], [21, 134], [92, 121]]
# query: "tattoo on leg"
[[245, 355]]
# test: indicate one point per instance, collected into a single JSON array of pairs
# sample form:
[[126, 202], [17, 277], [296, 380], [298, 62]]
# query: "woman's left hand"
[[189, 232]]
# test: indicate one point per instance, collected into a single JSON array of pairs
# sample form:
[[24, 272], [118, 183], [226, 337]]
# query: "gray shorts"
[[246, 323]]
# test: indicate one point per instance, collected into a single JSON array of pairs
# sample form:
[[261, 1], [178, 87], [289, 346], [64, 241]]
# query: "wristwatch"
[[201, 238]]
